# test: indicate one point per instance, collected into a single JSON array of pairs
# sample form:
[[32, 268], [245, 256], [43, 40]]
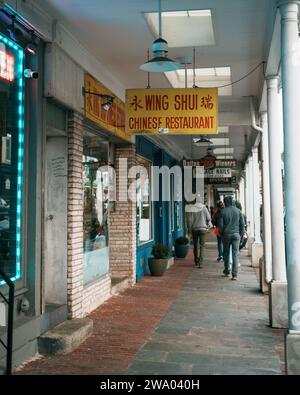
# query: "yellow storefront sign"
[[173, 111], [112, 120]]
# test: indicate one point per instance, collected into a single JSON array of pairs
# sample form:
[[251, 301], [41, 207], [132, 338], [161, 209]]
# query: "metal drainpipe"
[[253, 118]]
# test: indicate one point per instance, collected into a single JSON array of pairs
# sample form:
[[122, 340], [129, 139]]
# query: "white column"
[[278, 285], [256, 196], [246, 182], [266, 200], [290, 48], [276, 191], [242, 193], [257, 247], [251, 202], [248, 198]]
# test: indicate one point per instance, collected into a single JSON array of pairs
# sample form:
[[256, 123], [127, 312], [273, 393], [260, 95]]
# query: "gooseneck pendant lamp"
[[160, 63]]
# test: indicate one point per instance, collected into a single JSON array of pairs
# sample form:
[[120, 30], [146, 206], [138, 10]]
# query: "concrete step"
[[53, 316], [66, 337]]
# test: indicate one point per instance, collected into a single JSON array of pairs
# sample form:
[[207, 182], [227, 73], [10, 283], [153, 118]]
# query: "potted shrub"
[[158, 264], [182, 246]]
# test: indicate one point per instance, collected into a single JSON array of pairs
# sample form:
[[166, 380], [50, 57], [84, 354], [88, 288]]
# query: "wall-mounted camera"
[[30, 74]]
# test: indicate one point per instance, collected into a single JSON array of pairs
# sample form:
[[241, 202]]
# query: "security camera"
[[28, 73]]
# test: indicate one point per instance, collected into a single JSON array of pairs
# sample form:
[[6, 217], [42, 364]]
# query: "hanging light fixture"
[[160, 63]]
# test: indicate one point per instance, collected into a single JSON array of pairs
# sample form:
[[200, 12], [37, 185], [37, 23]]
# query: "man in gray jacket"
[[232, 228], [198, 222]]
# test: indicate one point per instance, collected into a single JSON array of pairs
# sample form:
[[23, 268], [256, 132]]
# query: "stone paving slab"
[[214, 327]]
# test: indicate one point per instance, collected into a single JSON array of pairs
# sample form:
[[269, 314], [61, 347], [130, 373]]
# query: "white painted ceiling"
[[117, 33]]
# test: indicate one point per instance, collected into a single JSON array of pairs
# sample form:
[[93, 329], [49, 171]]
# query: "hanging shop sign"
[[208, 162], [172, 111], [112, 120], [229, 181], [232, 163], [218, 173], [211, 162]]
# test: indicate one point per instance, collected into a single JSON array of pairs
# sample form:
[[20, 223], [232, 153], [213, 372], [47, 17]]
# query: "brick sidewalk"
[[189, 321], [121, 327]]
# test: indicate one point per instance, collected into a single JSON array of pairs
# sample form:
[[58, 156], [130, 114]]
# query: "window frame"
[[151, 205], [95, 133]]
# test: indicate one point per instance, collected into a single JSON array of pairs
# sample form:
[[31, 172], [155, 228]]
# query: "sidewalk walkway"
[[189, 321]]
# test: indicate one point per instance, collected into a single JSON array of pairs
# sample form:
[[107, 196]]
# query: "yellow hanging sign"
[[112, 120], [172, 111]]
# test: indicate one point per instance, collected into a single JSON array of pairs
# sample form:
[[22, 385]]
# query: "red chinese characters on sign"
[[7, 66], [136, 103], [207, 102]]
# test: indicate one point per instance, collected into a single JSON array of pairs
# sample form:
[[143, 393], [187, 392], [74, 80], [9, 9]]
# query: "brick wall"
[[95, 294], [123, 223], [82, 299], [75, 215]]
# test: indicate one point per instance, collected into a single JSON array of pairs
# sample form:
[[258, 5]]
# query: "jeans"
[[234, 242], [199, 237], [220, 247]]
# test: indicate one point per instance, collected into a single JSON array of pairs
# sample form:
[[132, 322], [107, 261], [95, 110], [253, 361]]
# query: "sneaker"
[[234, 278], [225, 274], [220, 259]]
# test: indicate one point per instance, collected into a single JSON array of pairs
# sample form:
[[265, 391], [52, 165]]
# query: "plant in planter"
[[182, 246], [159, 262]]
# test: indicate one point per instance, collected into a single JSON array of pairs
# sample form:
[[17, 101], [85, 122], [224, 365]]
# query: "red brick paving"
[[121, 327]]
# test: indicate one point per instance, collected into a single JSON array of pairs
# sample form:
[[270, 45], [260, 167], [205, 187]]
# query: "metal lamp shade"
[[160, 64]]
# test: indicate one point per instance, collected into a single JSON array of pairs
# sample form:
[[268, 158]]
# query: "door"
[[55, 261]]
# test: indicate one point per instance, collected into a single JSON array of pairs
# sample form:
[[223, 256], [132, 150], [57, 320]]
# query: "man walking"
[[199, 221], [231, 228]]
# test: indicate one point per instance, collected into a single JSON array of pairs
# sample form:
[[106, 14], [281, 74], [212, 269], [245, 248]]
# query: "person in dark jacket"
[[216, 223], [231, 229]]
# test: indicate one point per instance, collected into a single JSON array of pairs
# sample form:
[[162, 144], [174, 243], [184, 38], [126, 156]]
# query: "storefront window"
[[96, 207], [144, 203], [11, 156]]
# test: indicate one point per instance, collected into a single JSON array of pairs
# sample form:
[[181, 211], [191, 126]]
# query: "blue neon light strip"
[[20, 83]]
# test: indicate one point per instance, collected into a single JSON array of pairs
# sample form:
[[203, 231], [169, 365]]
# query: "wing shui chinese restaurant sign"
[[112, 120], [173, 111]]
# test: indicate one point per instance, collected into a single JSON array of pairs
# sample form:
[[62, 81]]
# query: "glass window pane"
[[96, 207], [179, 215], [144, 203], [11, 156]]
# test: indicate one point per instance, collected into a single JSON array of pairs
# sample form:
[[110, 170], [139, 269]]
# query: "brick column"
[[75, 215], [122, 232]]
